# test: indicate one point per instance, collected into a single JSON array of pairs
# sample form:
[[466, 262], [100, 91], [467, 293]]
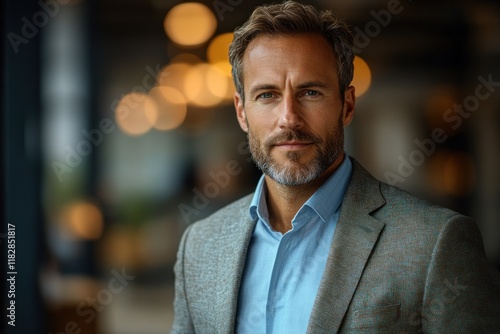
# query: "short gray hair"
[[289, 18]]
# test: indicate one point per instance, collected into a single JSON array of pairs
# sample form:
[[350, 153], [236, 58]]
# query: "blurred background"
[[118, 131]]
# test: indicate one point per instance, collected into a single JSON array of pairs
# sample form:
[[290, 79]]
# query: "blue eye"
[[311, 93], [266, 95]]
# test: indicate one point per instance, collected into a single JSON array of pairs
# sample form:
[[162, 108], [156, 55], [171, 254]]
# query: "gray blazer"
[[397, 264]]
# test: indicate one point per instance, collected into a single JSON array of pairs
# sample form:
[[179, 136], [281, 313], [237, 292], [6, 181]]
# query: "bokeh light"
[[190, 24], [218, 52], [173, 75], [83, 220], [205, 85], [362, 76], [231, 89], [171, 105], [136, 113]]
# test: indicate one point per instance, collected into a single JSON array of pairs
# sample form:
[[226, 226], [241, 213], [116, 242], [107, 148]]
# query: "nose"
[[289, 113]]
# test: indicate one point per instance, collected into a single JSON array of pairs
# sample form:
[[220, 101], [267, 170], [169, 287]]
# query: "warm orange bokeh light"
[[172, 107], [362, 76], [83, 220], [173, 75], [218, 52], [226, 69], [190, 24], [205, 85], [136, 113]]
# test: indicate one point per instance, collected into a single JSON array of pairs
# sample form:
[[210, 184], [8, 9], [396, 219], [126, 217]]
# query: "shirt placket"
[[277, 287]]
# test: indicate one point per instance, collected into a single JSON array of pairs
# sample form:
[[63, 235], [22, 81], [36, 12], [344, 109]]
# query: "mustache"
[[292, 135]]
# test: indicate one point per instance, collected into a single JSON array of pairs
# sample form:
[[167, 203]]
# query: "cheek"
[[327, 127], [322, 122], [260, 123]]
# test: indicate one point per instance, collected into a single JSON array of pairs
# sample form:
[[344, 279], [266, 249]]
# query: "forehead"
[[307, 54], [301, 41]]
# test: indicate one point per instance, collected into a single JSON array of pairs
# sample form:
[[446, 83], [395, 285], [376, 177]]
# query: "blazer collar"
[[355, 236], [231, 255]]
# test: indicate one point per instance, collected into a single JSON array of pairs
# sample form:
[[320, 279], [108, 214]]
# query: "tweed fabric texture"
[[397, 264]]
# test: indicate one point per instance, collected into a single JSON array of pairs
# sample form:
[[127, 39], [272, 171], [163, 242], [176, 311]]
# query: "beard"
[[292, 172]]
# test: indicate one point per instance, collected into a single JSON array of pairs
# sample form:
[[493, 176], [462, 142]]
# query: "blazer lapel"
[[355, 236], [231, 254]]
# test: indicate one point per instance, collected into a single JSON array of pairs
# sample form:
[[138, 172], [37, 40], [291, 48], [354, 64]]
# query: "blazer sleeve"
[[183, 323], [462, 290]]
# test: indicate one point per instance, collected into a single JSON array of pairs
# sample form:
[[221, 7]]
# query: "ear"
[[349, 103], [240, 112]]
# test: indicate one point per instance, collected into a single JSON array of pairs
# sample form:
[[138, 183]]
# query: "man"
[[321, 246]]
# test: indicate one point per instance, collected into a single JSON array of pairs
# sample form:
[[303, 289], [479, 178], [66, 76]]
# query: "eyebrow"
[[261, 87], [308, 84]]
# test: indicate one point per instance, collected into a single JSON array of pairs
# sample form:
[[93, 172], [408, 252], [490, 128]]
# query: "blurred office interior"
[[118, 131]]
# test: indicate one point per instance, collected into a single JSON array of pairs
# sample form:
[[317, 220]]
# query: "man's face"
[[293, 112]]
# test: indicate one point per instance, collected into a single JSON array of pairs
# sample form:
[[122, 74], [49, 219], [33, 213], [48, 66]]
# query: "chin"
[[293, 173]]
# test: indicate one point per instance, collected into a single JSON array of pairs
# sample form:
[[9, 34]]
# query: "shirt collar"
[[325, 201], [258, 206], [328, 198]]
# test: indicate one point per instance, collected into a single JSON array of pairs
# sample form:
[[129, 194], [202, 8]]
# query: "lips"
[[293, 145]]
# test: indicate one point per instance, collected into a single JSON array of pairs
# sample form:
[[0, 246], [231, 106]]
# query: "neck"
[[283, 202]]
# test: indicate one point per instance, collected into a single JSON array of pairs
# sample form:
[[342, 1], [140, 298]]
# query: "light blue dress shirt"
[[283, 271]]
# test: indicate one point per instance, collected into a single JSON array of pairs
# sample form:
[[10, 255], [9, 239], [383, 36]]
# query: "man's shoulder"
[[399, 201], [413, 215], [227, 215], [402, 207]]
